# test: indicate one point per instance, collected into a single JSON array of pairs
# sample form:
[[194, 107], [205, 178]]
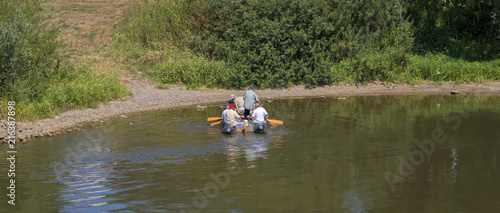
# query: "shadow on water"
[[331, 155]]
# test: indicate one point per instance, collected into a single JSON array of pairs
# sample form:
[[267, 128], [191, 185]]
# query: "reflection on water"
[[249, 145], [330, 156], [354, 203]]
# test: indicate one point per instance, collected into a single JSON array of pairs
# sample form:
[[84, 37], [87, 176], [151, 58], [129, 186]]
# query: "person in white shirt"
[[259, 114]]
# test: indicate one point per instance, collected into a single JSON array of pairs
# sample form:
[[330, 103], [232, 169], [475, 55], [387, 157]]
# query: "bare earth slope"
[[87, 26]]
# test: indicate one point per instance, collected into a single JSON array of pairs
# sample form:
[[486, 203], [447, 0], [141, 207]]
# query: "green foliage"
[[371, 66], [279, 43], [26, 51], [467, 29], [14, 52], [285, 42]]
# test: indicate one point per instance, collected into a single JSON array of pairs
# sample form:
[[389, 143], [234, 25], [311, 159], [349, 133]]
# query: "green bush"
[[26, 51], [467, 29]]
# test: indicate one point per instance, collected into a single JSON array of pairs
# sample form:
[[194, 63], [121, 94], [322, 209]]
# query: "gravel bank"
[[148, 98]]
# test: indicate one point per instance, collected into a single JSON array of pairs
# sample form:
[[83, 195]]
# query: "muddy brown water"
[[362, 154]]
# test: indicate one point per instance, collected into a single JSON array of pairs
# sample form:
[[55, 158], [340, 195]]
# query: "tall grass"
[[439, 67], [193, 72], [70, 88], [416, 69], [153, 22]]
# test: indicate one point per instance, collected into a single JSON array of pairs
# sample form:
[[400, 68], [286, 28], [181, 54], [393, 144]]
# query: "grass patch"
[[63, 24], [82, 8], [70, 89], [439, 68], [92, 36], [416, 68], [193, 73], [163, 86]]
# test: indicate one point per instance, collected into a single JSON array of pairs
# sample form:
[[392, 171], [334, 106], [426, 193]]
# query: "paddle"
[[273, 121], [215, 123], [214, 118]]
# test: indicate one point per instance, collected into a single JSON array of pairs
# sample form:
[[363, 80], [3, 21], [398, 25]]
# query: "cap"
[[227, 106], [252, 87], [232, 96], [231, 106]]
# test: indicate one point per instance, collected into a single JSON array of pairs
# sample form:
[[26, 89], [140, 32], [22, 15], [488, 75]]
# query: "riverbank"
[[149, 98]]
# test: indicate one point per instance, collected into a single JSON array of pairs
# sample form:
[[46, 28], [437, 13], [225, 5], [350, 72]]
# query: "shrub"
[[26, 51]]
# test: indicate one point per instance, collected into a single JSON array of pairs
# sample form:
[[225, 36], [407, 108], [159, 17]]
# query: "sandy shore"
[[148, 98]]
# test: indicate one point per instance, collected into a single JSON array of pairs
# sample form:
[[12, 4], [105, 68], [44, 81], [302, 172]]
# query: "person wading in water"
[[250, 99]]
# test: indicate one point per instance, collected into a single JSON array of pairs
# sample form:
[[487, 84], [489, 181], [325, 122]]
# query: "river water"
[[360, 154]]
